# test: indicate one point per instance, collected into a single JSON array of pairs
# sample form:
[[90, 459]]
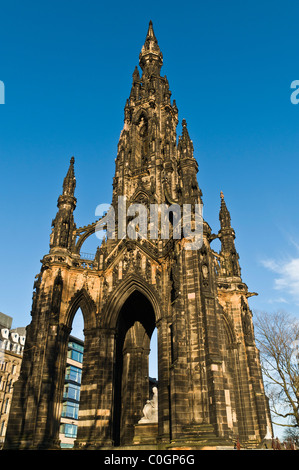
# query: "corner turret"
[[63, 226]]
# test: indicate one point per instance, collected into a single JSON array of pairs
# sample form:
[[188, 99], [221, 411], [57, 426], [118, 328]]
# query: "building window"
[[6, 406], [2, 429], [74, 374], [75, 355], [9, 386], [70, 410], [76, 346], [75, 351], [72, 391], [69, 430]]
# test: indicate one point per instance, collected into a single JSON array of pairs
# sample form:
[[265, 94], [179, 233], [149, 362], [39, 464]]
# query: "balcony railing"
[[89, 256]]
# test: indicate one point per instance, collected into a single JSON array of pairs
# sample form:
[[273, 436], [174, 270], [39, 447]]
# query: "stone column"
[[164, 409], [96, 394], [135, 390]]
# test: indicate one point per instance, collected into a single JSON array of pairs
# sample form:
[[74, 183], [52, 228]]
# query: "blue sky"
[[67, 68]]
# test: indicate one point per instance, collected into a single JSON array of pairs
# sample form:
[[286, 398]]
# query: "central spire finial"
[[150, 56]]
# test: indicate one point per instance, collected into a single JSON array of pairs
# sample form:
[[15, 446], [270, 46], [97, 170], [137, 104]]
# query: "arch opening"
[[153, 356], [135, 327], [90, 245]]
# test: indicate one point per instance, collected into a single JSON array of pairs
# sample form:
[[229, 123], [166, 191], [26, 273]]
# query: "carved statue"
[[150, 410]]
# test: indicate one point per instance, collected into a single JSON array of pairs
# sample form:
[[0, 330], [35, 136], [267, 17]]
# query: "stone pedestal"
[[145, 433]]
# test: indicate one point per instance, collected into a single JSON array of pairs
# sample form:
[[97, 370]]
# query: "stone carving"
[[57, 293], [150, 410]]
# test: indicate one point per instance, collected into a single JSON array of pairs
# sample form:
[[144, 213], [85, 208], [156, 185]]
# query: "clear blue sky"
[[67, 68]]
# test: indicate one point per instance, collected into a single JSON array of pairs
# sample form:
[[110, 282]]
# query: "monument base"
[[201, 437], [145, 433]]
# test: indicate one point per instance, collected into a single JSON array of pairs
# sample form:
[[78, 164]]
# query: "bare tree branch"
[[276, 334]]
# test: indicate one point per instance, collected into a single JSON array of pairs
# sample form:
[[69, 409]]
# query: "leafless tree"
[[277, 337], [292, 434]]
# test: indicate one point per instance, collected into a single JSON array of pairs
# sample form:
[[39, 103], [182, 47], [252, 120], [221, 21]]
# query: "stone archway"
[[135, 325], [81, 299]]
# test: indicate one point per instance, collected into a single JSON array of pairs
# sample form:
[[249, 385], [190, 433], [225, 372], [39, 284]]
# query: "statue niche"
[[142, 141]]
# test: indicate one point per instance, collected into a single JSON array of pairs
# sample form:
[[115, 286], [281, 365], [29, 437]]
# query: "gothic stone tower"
[[210, 388]]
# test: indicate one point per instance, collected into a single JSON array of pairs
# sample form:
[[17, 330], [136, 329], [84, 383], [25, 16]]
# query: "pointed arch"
[[82, 300], [122, 293], [83, 234], [145, 197], [229, 330], [141, 112], [134, 319], [140, 193]]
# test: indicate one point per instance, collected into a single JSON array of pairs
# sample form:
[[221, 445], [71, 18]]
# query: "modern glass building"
[[71, 393]]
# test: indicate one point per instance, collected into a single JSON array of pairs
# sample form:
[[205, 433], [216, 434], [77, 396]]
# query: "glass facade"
[[75, 351], [71, 393], [70, 410], [75, 355], [69, 430], [73, 374]]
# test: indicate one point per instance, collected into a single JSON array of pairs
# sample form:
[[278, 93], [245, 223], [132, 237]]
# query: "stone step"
[[199, 430], [200, 434]]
